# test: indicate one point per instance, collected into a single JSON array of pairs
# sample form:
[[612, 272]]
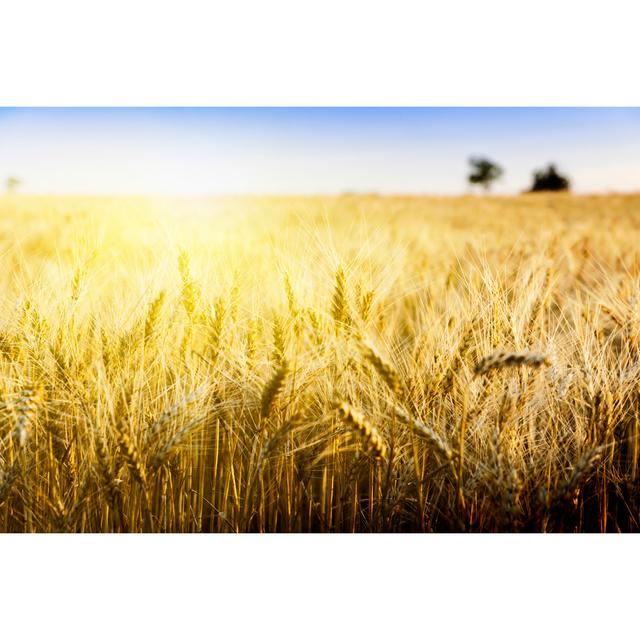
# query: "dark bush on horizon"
[[549, 180]]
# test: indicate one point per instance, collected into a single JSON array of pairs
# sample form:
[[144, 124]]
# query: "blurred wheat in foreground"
[[339, 364]]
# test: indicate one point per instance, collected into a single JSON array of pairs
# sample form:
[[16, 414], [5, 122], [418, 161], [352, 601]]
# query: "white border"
[[320, 586], [334, 52]]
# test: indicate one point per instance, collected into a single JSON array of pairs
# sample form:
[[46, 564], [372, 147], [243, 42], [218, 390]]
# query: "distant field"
[[320, 364]]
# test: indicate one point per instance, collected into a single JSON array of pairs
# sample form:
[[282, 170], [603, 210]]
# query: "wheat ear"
[[370, 435], [273, 388], [502, 359], [385, 370]]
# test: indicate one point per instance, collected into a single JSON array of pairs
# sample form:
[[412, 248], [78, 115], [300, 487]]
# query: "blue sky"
[[301, 150]]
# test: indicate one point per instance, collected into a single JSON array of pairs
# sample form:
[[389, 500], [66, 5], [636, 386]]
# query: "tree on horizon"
[[484, 172], [12, 183]]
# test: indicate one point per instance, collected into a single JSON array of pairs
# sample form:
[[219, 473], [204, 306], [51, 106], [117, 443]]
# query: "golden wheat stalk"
[[291, 298], [463, 347], [273, 388], [106, 474], [364, 302], [59, 510], [385, 370], [216, 326], [340, 302], [153, 315], [165, 452], [279, 342], [251, 341], [578, 474], [130, 454], [502, 359], [76, 511], [8, 478], [190, 290], [370, 436], [425, 431], [316, 327], [26, 409], [76, 283], [174, 410]]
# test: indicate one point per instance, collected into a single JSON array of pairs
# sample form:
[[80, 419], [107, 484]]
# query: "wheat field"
[[348, 364]]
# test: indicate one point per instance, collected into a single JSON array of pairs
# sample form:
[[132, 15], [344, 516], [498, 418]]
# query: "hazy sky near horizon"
[[215, 151]]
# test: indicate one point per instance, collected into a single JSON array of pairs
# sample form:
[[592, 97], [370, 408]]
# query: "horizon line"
[[319, 194]]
